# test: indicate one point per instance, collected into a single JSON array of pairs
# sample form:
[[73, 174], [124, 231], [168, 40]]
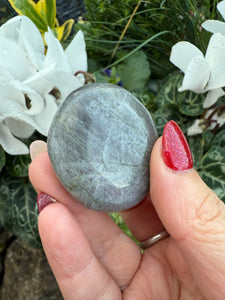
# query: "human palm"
[[92, 258]]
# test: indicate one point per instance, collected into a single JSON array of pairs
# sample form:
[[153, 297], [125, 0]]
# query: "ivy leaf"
[[192, 104], [189, 103], [213, 170], [2, 158], [147, 99], [219, 139], [18, 209], [207, 140], [196, 146], [18, 165], [165, 114], [134, 71], [168, 93]]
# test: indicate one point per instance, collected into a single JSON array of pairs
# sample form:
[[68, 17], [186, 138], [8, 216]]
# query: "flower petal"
[[182, 53], [8, 89], [214, 26], [10, 28], [14, 59], [195, 128], [19, 128], [40, 82], [33, 102], [32, 41], [215, 56], [44, 119], [11, 144], [221, 8], [76, 53], [212, 97], [12, 110], [196, 76], [55, 53], [65, 83], [220, 119]]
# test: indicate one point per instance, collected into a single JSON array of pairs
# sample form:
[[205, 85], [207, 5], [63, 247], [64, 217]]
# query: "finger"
[[143, 220], [103, 234], [77, 270], [192, 214]]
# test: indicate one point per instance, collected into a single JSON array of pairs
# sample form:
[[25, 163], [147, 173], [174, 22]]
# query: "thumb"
[[191, 213], [184, 203]]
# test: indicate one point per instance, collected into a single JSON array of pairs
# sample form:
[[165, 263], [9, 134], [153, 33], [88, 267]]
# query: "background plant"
[[43, 14], [155, 26]]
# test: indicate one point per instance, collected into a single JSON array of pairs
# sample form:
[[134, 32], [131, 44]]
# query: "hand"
[[93, 259]]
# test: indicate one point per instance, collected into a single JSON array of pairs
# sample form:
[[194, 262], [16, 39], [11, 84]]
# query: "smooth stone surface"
[[99, 144]]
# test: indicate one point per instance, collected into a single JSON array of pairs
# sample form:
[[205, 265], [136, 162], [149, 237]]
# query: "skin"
[[93, 259]]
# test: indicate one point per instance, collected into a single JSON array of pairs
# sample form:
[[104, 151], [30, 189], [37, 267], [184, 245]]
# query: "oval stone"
[[99, 144]]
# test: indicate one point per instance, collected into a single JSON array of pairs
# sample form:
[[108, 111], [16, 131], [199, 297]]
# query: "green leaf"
[[212, 170], [196, 145], [207, 137], [147, 99], [219, 139], [165, 114], [189, 103], [62, 32], [18, 165], [2, 158], [135, 71], [192, 104], [50, 12], [120, 222], [18, 209], [168, 93], [29, 9]]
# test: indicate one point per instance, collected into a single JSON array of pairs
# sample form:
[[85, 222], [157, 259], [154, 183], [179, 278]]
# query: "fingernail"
[[43, 200], [36, 148], [175, 149]]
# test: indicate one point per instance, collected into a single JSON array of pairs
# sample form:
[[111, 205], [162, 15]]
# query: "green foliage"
[[6, 11], [135, 72], [119, 221], [116, 26], [2, 158], [212, 170], [18, 165], [43, 14], [196, 145], [18, 205], [18, 208], [181, 107]]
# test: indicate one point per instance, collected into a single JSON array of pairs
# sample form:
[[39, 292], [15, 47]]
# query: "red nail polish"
[[43, 200], [176, 152]]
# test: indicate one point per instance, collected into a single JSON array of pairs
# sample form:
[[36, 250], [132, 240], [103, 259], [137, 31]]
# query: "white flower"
[[195, 128], [202, 74], [33, 83], [210, 121], [215, 25]]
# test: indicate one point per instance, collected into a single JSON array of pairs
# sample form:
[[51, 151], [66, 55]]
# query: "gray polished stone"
[[99, 145]]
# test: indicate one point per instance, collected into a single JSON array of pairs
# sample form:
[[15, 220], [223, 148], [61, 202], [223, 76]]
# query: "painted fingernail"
[[43, 200], [36, 148], [175, 149]]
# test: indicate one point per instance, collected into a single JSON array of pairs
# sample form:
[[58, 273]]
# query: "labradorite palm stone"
[[99, 144]]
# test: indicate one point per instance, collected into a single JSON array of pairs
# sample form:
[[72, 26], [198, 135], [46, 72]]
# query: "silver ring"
[[153, 240]]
